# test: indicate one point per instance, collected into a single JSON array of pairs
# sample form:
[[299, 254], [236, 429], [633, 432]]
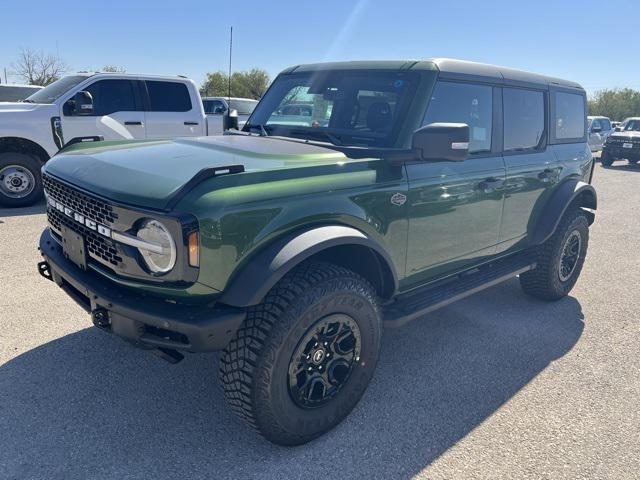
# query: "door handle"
[[491, 184], [133, 123], [191, 123]]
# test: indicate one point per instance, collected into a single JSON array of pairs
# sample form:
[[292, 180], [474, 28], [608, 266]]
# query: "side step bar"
[[428, 299]]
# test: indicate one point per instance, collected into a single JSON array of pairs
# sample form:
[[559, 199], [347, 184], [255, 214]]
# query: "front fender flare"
[[571, 192], [262, 271]]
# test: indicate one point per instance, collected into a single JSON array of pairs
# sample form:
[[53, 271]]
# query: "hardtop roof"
[[447, 68]]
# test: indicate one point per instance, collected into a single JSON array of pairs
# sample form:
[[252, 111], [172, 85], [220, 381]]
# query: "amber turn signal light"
[[194, 249]]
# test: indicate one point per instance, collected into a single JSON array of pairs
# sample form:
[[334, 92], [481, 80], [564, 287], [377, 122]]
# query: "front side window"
[[464, 103], [523, 118], [569, 116], [349, 108], [168, 96], [110, 96], [213, 106]]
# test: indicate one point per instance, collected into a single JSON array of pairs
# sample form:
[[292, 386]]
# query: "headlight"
[[162, 258]]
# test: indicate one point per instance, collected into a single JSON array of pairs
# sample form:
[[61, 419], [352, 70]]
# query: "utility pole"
[[230, 51], [5, 75]]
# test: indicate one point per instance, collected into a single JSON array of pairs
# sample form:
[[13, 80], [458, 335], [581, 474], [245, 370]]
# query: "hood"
[[147, 173], [631, 135], [22, 107]]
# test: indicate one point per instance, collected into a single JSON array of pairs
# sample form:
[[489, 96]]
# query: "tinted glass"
[[50, 93], [110, 96], [11, 93], [632, 125], [244, 107], [211, 105], [362, 108], [168, 97], [569, 121], [523, 118], [463, 103], [606, 124]]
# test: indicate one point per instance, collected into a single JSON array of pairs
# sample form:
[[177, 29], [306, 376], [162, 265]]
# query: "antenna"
[[230, 52]]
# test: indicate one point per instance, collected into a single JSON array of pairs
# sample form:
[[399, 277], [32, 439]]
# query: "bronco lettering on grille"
[[79, 218]]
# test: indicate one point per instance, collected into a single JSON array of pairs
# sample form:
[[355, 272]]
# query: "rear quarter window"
[[168, 97], [569, 116]]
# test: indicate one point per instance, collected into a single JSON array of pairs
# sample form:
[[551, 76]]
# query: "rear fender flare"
[[572, 193]]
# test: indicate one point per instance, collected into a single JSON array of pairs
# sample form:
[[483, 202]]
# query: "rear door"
[[172, 110], [117, 113], [455, 207], [531, 167]]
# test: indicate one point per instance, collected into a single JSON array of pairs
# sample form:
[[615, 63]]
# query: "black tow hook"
[[100, 318], [45, 270]]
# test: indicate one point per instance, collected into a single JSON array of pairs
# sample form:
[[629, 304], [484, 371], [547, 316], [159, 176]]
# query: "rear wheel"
[[304, 357], [606, 159], [20, 182], [559, 259]]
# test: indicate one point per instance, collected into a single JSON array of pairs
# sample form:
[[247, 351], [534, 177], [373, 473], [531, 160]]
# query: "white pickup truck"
[[92, 107]]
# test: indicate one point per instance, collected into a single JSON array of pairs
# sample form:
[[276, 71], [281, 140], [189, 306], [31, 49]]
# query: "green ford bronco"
[[391, 189]]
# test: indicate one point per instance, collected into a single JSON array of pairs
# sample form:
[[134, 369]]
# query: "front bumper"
[[146, 321], [616, 151]]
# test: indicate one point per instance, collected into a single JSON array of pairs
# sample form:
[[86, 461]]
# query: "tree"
[[617, 103], [38, 68], [251, 84], [113, 69]]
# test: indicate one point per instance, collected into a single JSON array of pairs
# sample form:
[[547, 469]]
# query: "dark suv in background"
[[623, 144]]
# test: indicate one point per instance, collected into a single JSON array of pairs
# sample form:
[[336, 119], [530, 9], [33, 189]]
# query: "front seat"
[[379, 117]]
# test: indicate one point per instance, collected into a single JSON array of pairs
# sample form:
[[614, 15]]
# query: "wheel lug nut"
[[325, 344], [310, 368], [308, 357]]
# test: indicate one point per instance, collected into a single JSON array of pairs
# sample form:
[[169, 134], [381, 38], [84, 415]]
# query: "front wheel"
[[304, 357], [606, 159], [20, 182], [559, 259]]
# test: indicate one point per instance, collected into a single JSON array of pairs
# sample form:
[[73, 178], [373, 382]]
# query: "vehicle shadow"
[[623, 166], [89, 406], [37, 209]]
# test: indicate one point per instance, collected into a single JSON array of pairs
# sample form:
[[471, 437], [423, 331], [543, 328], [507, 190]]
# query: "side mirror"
[[230, 120], [442, 141], [596, 129], [618, 129], [83, 103]]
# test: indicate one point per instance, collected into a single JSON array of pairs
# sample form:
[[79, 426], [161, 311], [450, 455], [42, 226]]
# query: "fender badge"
[[398, 199]]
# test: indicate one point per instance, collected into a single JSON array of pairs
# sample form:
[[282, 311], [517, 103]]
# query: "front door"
[[117, 113], [455, 207]]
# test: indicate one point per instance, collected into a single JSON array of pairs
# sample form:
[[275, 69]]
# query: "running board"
[[428, 299]]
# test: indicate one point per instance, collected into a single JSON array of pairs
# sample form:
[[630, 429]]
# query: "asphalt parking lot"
[[496, 386]]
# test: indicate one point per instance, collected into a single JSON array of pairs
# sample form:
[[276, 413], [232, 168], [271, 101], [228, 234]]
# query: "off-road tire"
[[606, 159], [545, 281], [254, 368], [30, 163]]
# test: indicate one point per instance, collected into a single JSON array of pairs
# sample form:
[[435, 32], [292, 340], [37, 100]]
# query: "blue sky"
[[572, 40]]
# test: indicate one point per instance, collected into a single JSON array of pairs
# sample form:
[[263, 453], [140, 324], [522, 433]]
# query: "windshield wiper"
[[26, 100]]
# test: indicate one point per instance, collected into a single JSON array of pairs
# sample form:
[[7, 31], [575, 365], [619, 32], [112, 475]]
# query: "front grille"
[[90, 207], [98, 246]]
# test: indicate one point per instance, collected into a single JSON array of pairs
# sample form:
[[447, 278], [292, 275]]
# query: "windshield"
[[632, 125], [51, 93], [357, 108], [244, 107]]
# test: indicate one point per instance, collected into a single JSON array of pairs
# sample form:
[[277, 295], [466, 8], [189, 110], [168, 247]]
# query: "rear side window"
[[464, 103], [569, 115], [111, 96], [523, 118], [168, 97]]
